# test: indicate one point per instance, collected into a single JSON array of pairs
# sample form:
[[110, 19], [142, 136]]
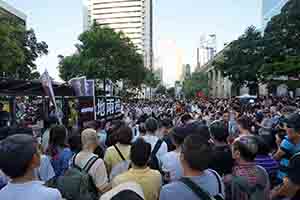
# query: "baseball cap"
[[293, 120], [123, 191]]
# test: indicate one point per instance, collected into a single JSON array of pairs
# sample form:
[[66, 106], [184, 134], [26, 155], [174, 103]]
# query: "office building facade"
[[270, 8], [7, 10], [132, 17]]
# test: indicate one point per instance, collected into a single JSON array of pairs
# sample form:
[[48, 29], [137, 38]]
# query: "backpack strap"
[[218, 179], [195, 189], [156, 147], [90, 163], [73, 162], [119, 152]]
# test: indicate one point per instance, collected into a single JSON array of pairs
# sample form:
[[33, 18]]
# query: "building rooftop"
[[12, 10]]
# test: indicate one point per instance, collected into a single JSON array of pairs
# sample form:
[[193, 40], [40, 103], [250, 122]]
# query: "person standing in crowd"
[[222, 161], [248, 181], [171, 166], [165, 130], [148, 179], [121, 150], [89, 140], [195, 159], [59, 152], [291, 184], [19, 157], [4, 116], [290, 145], [263, 158], [49, 123], [266, 126], [244, 125], [125, 191], [151, 126]]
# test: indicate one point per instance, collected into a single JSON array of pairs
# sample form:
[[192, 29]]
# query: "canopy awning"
[[10, 87]]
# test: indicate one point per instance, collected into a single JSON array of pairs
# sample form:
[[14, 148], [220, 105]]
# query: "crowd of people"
[[229, 149]]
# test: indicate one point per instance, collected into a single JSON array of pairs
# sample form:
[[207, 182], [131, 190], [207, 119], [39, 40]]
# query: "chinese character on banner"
[[118, 106], [110, 106], [100, 107]]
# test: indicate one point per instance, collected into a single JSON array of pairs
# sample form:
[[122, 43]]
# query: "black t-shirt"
[[222, 161]]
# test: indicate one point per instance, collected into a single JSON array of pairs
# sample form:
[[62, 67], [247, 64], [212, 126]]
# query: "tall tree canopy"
[[19, 49], [282, 42], [242, 59], [196, 83], [103, 53]]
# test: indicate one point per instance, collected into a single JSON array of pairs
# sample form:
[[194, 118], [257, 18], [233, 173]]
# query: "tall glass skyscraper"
[[270, 8]]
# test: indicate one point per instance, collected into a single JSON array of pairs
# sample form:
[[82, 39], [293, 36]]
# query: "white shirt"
[[171, 163], [45, 171], [33, 190], [152, 139]]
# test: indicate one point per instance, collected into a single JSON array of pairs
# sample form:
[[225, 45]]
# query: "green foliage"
[[150, 79], [19, 49], [242, 59], [104, 54], [171, 92], [161, 89], [253, 57], [197, 82], [282, 42]]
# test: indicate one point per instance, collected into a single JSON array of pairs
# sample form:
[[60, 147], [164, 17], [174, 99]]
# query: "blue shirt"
[[60, 162], [289, 149], [179, 191]]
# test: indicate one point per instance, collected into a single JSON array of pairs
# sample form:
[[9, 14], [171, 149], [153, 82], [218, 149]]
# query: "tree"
[[243, 58], [70, 67], [282, 43], [196, 83], [150, 79], [19, 49], [104, 54], [171, 92], [161, 89]]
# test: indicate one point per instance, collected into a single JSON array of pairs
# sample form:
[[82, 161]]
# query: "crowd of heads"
[[195, 129]]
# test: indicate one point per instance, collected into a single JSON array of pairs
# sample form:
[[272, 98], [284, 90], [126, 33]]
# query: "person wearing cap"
[[125, 191], [291, 183], [19, 157], [171, 165], [290, 145], [89, 140]]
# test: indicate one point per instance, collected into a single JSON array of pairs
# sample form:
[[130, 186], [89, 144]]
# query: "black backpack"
[[202, 194], [154, 162], [76, 183]]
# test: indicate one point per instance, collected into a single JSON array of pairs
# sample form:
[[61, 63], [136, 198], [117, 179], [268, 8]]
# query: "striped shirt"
[[268, 163]]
